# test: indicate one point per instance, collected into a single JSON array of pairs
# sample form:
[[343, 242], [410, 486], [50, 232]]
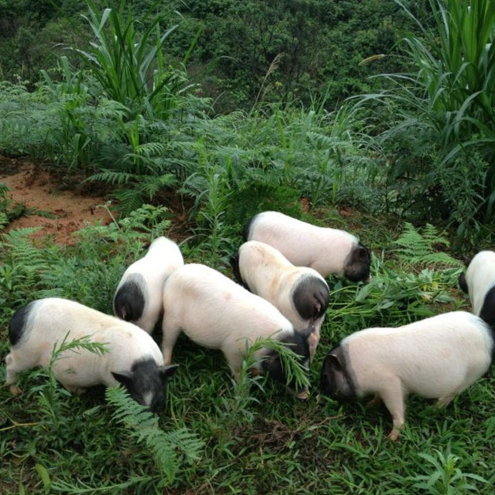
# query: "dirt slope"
[[58, 212]]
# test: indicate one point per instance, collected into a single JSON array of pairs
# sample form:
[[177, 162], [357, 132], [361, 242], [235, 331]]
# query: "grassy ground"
[[257, 438]]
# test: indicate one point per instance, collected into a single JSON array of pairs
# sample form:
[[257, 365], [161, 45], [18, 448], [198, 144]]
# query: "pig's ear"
[[124, 378], [362, 253], [467, 260], [335, 361], [168, 371]]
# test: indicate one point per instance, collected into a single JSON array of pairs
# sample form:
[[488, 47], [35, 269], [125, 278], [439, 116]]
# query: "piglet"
[[217, 313], [299, 293], [436, 358], [133, 357], [139, 295], [328, 251], [479, 283]]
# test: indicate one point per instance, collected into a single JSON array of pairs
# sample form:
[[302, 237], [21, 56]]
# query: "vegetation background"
[[372, 116]]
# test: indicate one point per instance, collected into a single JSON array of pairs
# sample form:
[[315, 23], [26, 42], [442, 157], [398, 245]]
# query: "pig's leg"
[[170, 334], [314, 338], [374, 402], [12, 374], [234, 358], [444, 401], [393, 397], [75, 390]]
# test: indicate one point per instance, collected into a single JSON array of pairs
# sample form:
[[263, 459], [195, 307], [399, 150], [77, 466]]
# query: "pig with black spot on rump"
[[139, 295], [479, 283], [133, 357], [215, 312], [436, 358], [299, 293]]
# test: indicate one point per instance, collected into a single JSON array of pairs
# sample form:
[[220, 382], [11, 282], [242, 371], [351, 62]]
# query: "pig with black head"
[[436, 358], [139, 295], [299, 293], [479, 283], [133, 358], [326, 250], [215, 312]]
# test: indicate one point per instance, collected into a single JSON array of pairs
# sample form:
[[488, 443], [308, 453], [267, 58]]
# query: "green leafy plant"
[[131, 67], [9, 210], [447, 478], [168, 449], [22, 267], [414, 247], [49, 395], [438, 118]]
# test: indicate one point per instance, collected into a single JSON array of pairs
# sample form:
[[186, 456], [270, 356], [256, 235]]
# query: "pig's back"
[[322, 248], [210, 308]]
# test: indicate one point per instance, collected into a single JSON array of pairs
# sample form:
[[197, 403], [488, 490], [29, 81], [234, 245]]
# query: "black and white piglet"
[[299, 293], [328, 251], [139, 295], [217, 313], [479, 283], [133, 357], [436, 358]]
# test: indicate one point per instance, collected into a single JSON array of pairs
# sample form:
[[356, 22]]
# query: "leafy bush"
[[439, 118]]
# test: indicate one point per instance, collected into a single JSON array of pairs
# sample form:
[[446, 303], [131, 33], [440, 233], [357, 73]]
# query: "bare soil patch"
[[56, 212]]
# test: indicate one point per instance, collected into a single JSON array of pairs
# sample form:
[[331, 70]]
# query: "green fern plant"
[[237, 406], [22, 267], [48, 395], [419, 248], [54, 417], [136, 165], [9, 210], [135, 190], [169, 450]]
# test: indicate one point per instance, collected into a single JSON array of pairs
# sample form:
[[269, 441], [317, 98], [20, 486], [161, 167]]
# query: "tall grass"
[[435, 126], [131, 66], [456, 68]]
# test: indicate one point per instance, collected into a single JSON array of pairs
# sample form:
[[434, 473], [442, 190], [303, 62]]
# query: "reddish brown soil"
[[57, 212]]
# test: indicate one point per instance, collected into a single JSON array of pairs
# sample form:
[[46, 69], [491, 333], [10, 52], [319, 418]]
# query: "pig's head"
[[272, 363], [335, 378], [357, 264], [146, 383]]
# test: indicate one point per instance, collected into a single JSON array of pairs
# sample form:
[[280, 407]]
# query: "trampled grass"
[[256, 437]]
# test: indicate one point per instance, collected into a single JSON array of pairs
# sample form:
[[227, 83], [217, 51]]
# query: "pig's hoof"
[[394, 435], [76, 390], [15, 390], [303, 395]]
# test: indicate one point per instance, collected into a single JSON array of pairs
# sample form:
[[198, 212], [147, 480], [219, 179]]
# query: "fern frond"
[[151, 149], [112, 177], [414, 247], [143, 426], [130, 199], [151, 185]]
